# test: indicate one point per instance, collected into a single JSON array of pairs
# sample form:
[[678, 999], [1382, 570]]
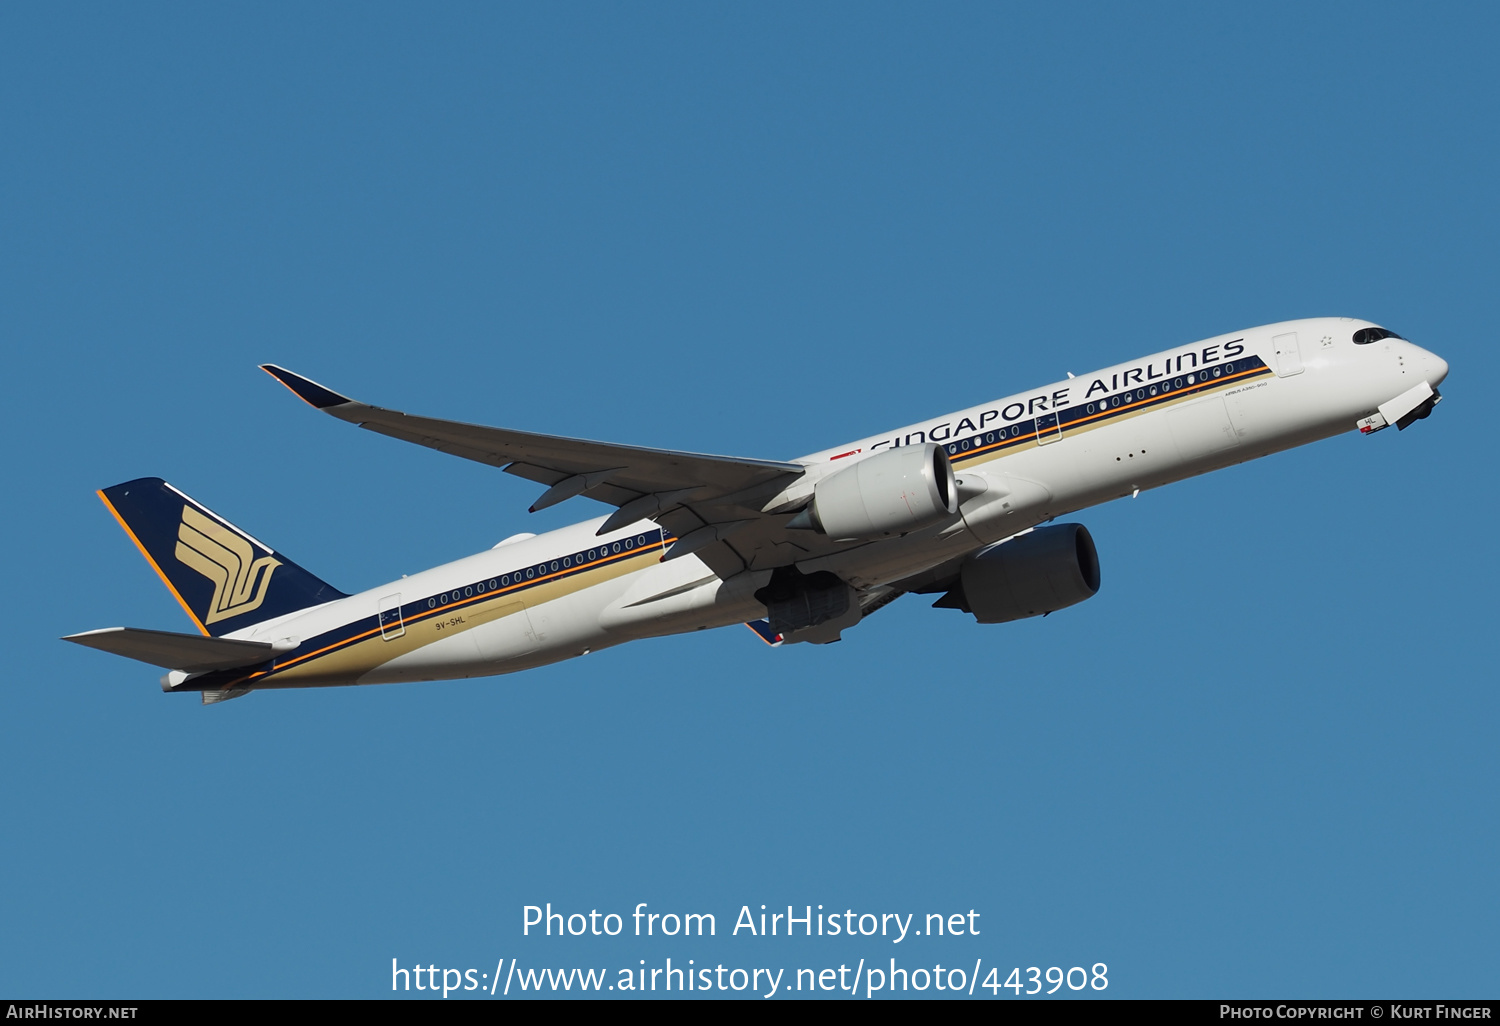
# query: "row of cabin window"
[[540, 570], [1141, 393]]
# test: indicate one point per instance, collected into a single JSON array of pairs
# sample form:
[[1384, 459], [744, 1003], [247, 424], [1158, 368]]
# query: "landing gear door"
[[1288, 355], [392, 626]]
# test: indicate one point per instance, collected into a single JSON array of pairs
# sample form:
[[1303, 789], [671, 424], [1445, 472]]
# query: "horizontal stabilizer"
[[191, 653]]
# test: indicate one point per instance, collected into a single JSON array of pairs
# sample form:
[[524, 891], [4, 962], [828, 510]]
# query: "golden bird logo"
[[226, 558]]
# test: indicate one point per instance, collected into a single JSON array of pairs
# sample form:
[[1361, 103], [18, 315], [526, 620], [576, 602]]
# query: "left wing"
[[712, 503]]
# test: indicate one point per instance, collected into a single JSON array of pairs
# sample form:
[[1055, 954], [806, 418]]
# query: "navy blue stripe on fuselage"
[[1106, 408], [452, 600], [529, 577]]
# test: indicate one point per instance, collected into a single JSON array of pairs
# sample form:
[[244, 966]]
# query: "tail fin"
[[224, 578]]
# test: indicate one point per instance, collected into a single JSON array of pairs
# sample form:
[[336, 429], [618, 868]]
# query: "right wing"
[[716, 505], [609, 472]]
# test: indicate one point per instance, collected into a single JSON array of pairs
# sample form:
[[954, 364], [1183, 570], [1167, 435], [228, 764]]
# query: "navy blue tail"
[[224, 578]]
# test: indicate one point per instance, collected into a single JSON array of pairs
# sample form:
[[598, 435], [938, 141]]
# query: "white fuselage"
[[1021, 460]]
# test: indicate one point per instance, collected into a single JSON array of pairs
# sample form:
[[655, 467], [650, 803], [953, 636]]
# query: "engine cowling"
[[887, 494], [1045, 570], [812, 607]]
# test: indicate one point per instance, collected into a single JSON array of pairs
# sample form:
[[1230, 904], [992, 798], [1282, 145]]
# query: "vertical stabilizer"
[[223, 577]]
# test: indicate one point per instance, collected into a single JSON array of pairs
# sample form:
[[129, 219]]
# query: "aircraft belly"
[[1132, 453], [1009, 504], [1202, 428], [348, 664], [680, 597], [447, 658], [568, 625]]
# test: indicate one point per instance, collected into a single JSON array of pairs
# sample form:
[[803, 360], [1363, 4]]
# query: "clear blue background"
[[1261, 762]]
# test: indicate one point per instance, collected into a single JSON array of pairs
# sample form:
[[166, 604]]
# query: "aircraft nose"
[[1437, 368]]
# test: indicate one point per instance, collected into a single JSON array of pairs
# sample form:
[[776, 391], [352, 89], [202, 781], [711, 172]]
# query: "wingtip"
[[309, 391]]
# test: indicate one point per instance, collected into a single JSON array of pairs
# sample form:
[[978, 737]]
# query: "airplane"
[[961, 506]]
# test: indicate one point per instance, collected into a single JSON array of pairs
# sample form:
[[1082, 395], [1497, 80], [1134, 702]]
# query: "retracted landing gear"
[[1403, 411]]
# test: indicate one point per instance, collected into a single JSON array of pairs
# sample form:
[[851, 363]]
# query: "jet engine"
[[1036, 573], [796, 601], [884, 495]]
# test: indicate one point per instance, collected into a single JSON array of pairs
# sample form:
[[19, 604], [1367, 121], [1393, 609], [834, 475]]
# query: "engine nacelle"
[[795, 601], [887, 494], [1048, 569], [814, 607]]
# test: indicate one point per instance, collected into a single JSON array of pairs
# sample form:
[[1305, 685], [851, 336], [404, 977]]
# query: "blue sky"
[[1260, 762]]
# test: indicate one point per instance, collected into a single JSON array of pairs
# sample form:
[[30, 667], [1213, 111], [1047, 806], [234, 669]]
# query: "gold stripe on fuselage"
[[345, 661], [1104, 418]]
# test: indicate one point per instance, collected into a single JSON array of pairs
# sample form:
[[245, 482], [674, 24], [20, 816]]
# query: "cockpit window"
[[1364, 336]]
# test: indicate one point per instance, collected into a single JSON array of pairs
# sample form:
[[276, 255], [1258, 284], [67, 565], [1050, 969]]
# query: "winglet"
[[310, 392]]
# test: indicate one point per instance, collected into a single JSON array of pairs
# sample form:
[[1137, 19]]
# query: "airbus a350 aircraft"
[[799, 550]]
